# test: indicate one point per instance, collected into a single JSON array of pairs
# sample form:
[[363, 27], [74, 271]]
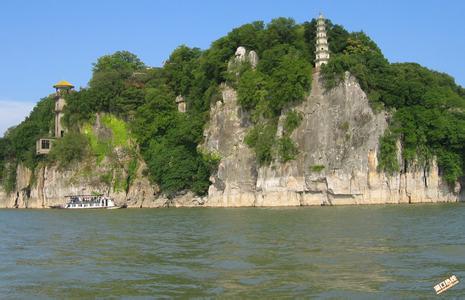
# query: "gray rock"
[[240, 54], [253, 59], [181, 103], [339, 134]]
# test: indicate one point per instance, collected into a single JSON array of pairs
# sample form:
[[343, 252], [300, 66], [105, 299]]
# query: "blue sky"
[[42, 42]]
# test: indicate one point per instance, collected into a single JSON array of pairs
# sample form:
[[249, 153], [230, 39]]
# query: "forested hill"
[[426, 108]]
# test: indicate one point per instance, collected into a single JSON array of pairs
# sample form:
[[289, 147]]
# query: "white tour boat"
[[89, 202]]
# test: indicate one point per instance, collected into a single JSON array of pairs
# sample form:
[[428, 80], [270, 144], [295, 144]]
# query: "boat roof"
[[69, 196]]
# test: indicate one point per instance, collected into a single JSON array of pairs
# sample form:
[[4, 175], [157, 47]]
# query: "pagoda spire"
[[322, 50]]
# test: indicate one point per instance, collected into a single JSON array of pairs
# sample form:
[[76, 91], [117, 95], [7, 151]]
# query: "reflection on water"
[[328, 252]]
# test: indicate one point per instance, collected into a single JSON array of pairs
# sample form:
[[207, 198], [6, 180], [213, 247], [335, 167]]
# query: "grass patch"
[[118, 128], [100, 148], [317, 168], [103, 147]]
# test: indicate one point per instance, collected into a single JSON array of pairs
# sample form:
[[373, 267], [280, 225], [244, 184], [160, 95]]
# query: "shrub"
[[261, 138], [71, 148], [287, 150], [251, 89], [388, 154], [293, 120]]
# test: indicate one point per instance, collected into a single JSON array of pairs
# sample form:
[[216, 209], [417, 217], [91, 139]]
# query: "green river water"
[[350, 252]]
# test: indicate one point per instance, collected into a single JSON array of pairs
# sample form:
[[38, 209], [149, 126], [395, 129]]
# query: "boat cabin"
[[90, 202]]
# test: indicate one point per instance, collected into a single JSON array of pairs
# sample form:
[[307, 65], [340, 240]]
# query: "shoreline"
[[255, 207]]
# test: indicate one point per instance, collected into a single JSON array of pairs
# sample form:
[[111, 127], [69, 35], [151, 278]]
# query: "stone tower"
[[44, 145], [62, 88], [322, 50]]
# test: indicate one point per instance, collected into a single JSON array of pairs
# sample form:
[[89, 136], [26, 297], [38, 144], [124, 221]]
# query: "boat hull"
[[75, 208]]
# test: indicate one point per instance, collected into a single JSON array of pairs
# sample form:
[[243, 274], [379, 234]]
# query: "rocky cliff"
[[50, 183], [337, 164]]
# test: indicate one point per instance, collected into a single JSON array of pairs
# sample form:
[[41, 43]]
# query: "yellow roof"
[[63, 85]]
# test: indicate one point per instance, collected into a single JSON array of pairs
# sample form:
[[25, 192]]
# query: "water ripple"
[[338, 252]]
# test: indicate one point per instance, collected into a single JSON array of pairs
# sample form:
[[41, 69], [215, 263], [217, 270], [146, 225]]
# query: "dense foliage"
[[68, 150], [19, 143]]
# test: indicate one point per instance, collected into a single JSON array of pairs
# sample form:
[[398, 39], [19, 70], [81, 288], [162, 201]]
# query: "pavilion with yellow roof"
[[63, 84], [44, 145]]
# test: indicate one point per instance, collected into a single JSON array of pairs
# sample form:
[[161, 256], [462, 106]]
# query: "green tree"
[[252, 89], [120, 61], [280, 31], [289, 81], [180, 67]]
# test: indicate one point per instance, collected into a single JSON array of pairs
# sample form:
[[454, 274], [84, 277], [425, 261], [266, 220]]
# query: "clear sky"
[[42, 42]]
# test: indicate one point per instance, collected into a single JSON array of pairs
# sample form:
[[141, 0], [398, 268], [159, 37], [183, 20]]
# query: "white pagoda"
[[322, 50]]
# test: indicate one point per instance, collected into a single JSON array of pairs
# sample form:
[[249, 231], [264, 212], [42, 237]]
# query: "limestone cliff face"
[[50, 185], [337, 162], [235, 182]]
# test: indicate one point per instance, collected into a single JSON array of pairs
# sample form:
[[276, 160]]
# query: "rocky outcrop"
[[181, 103], [234, 184], [242, 55], [337, 162]]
